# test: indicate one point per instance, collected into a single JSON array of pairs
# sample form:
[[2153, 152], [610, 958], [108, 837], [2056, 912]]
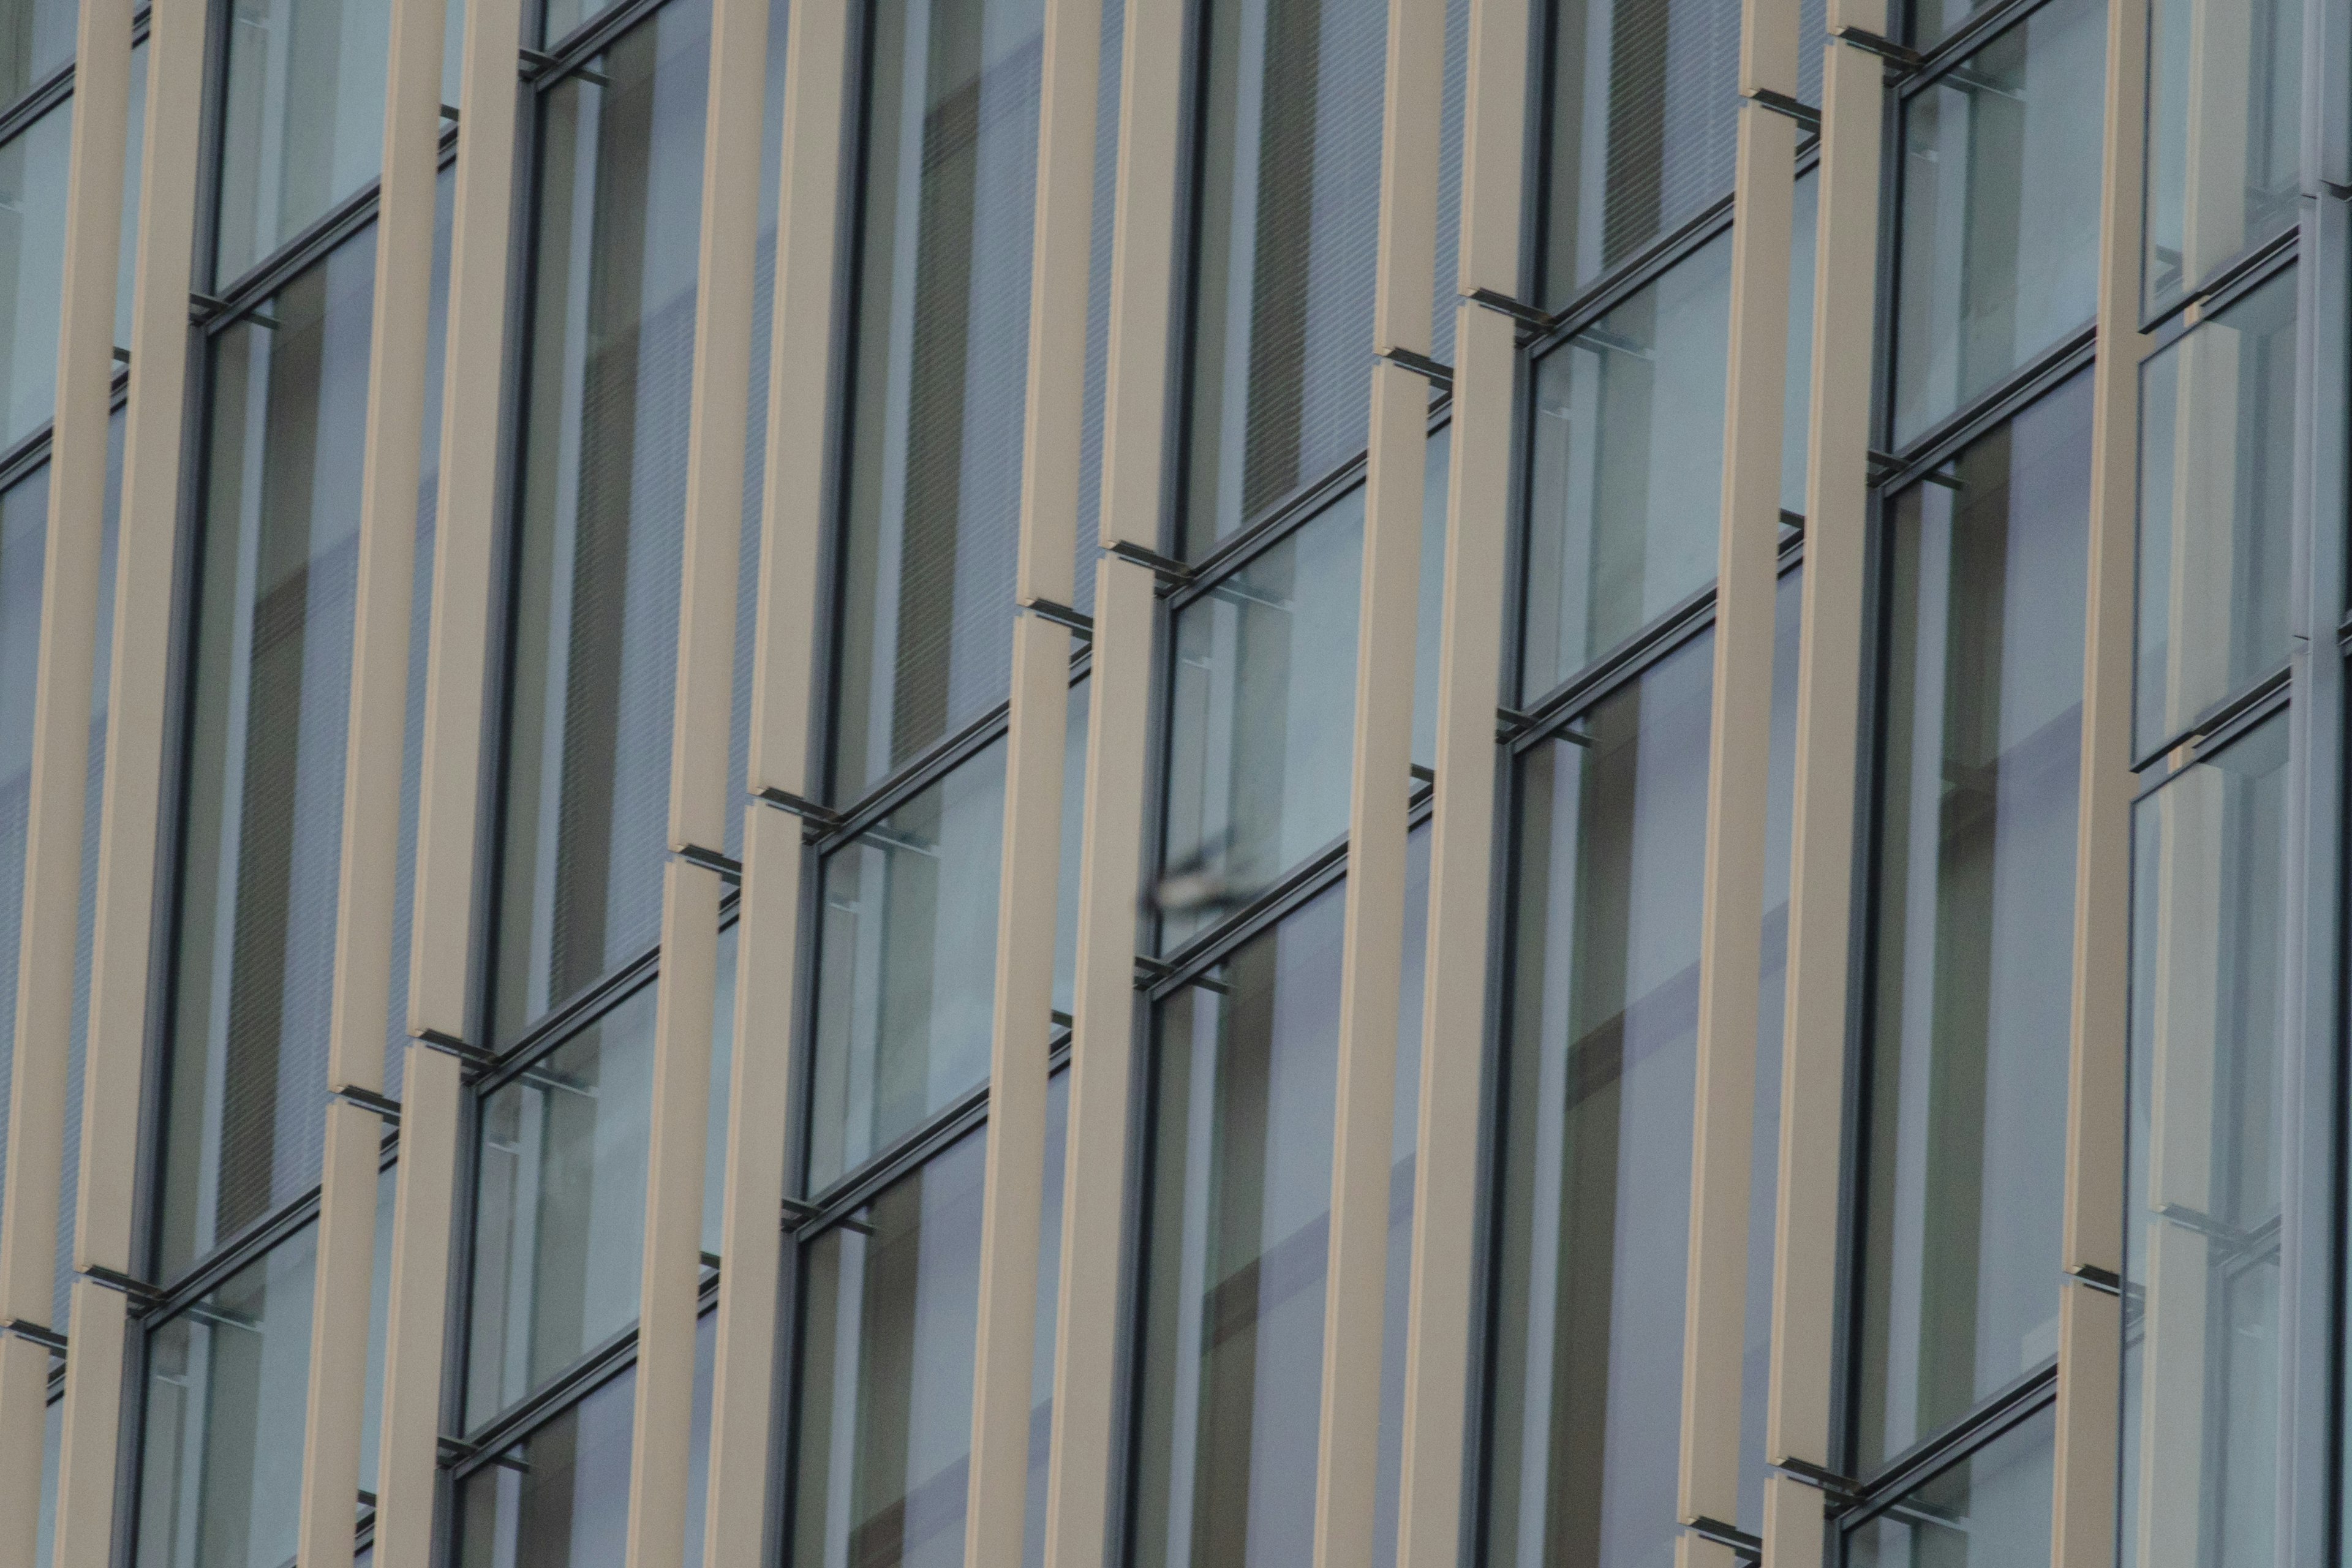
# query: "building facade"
[[1173, 783]]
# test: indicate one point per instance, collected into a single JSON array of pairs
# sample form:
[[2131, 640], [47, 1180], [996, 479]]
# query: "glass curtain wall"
[[2225, 130]]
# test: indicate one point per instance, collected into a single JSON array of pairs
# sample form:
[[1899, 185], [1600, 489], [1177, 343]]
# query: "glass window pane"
[[559, 1499], [2202, 1376], [387, 1187], [1237, 1212], [24, 535], [889, 1314], [37, 36], [1405, 1142], [906, 967], [228, 1384], [134, 166], [1105, 210], [1644, 119], [943, 355], [32, 270], [1626, 496], [1261, 722], [301, 120], [1074, 825], [1797, 391], [1990, 1510], [2225, 135], [1290, 170], [1599, 1076], [1429, 614], [559, 1208], [53, 1442], [1999, 221], [603, 494], [2216, 511], [1964, 1114], [277, 570]]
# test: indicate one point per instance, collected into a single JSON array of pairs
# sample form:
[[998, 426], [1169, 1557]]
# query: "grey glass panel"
[[1965, 1111], [1237, 1212], [1991, 1510], [387, 1187], [603, 493], [906, 967], [262, 851], [1429, 614], [2225, 135], [134, 166], [221, 1464], [943, 355], [559, 1208], [53, 1442], [889, 1313], [560, 1499], [1404, 1139], [1261, 722], [2202, 1306], [24, 530], [1447, 273], [301, 117], [1999, 212], [1599, 1075], [1626, 494], [1073, 824], [1105, 210], [722, 1083], [1288, 170], [1797, 391], [1645, 121], [2216, 511], [32, 270], [37, 36]]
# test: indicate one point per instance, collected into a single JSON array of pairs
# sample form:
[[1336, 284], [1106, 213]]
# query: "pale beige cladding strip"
[[1439, 1330], [61, 757], [2089, 1327], [449, 798], [1085, 1444], [130, 811], [698, 795], [1739, 762], [1821, 845], [802, 371], [368, 891], [1373, 948], [1003, 1365]]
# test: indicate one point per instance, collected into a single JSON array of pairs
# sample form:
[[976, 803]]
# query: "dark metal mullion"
[[2219, 723], [942, 758], [2225, 285], [1653, 262], [1614, 669], [1995, 406], [1957, 46], [38, 100], [546, 67], [1990, 1419], [561, 1024]]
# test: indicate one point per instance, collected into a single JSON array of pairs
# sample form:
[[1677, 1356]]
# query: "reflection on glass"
[[1600, 1071], [906, 967], [2216, 502], [1237, 1212], [1797, 391], [32, 270], [1429, 614], [1645, 98], [1626, 496], [559, 1208], [301, 119], [1965, 1115], [2000, 223], [1990, 1510], [37, 36], [2202, 1378], [603, 492], [942, 356], [23, 532], [1284, 254], [277, 573], [1074, 824], [1262, 721], [227, 1383], [2225, 135], [560, 1497], [889, 1314]]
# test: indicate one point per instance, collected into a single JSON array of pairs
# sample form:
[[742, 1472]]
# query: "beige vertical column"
[[131, 810], [2090, 1321], [1739, 763], [1144, 268], [449, 798], [61, 760], [1439, 1329], [698, 796], [801, 372], [368, 891], [1373, 948], [1821, 847], [1004, 1367]]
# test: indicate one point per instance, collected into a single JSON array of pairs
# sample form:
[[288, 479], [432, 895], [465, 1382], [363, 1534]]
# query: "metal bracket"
[[1804, 114], [368, 1100], [466, 1051], [2096, 1278], [1742, 1544], [144, 1298], [1828, 1482], [1871, 43], [1077, 625], [1421, 364], [729, 868], [40, 1334], [1528, 315], [1173, 572]]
